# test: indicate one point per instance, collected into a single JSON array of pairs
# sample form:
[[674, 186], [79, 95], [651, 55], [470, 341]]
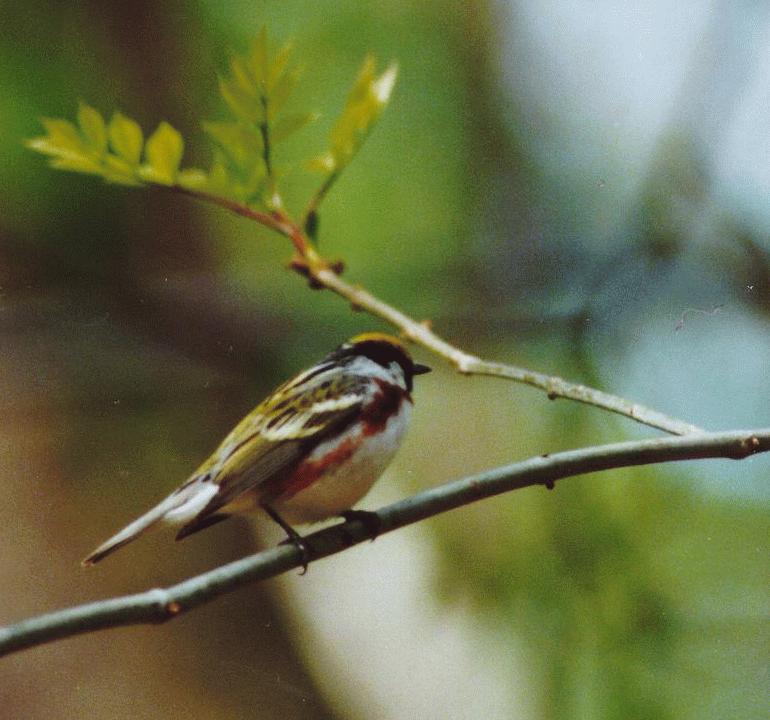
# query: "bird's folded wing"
[[255, 459]]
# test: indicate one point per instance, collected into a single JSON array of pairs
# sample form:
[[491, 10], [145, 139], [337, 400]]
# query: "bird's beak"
[[419, 369]]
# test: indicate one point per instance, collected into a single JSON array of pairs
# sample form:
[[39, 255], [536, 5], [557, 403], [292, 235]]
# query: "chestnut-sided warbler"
[[309, 451]]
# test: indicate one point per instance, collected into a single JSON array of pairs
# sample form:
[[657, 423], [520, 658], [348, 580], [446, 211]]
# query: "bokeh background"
[[577, 187]]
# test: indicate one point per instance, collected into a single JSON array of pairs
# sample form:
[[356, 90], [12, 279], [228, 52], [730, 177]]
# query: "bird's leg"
[[293, 536]]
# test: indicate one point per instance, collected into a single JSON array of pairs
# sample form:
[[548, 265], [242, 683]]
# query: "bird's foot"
[[370, 520], [294, 538]]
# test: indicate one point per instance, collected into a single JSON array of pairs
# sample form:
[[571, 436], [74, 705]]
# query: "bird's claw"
[[297, 541]]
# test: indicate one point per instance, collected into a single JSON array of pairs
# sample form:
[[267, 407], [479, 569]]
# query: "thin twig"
[[160, 605], [467, 364], [273, 220], [314, 267]]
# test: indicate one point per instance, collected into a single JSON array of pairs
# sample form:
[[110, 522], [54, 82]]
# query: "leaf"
[[243, 105], [278, 67], [255, 183], [323, 163], [163, 153], [289, 124], [62, 139], [114, 151], [241, 182], [259, 87], [126, 138], [193, 178], [243, 77], [363, 81], [92, 128], [81, 163], [383, 86], [282, 91], [68, 147], [219, 181], [241, 143], [119, 171], [366, 101], [257, 59]]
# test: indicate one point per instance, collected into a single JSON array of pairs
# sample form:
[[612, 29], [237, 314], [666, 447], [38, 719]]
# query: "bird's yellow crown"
[[376, 337]]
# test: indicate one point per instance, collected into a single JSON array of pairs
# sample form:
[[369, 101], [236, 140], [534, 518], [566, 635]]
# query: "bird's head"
[[385, 350]]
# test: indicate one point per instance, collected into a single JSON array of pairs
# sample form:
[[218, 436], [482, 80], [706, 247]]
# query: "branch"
[[159, 605], [273, 220], [323, 274], [467, 364]]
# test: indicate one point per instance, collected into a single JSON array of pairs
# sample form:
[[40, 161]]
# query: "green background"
[[136, 327]]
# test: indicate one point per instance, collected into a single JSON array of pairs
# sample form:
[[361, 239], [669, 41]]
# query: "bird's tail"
[[183, 506], [131, 531]]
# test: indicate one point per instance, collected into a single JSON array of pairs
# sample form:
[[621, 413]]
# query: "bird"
[[308, 452]]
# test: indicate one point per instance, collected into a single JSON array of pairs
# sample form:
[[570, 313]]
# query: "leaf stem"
[[264, 129], [312, 207]]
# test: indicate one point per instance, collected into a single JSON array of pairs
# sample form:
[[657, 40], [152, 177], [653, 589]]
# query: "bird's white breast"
[[342, 486]]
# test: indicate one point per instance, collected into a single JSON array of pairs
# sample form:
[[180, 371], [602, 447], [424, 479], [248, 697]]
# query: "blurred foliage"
[[137, 327], [242, 170], [85, 149], [619, 587]]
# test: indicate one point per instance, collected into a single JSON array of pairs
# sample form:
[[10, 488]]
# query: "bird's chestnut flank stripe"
[[309, 471]]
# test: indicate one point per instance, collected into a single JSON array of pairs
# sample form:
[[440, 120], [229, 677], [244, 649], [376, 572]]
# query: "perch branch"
[[159, 605]]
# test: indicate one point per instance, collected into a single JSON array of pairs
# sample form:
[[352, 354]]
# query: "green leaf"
[[126, 138], [81, 164], [278, 67], [163, 153], [323, 163], [193, 178], [257, 60], [243, 77], [383, 86], [118, 171], [241, 143], [363, 81], [219, 181], [68, 147], [92, 128], [282, 91], [62, 139], [289, 124], [366, 101], [243, 105], [254, 184]]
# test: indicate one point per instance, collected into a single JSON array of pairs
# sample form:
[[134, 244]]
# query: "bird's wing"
[[262, 447]]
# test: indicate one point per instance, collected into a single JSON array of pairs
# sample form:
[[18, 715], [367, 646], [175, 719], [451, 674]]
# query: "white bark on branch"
[[159, 605]]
